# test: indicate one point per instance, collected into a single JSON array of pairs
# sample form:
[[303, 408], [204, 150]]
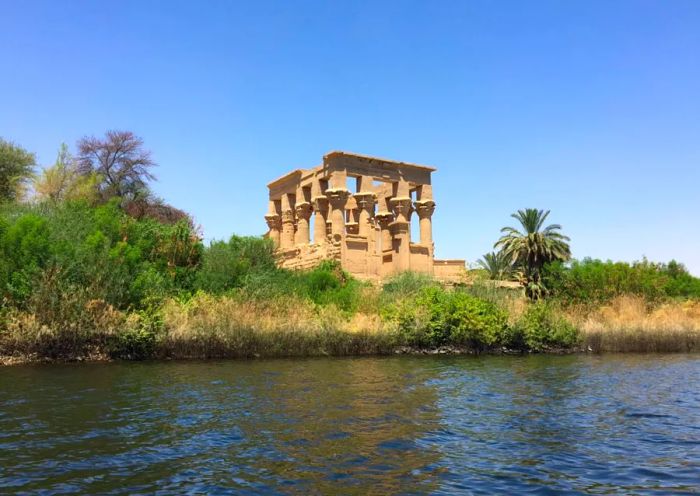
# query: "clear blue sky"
[[588, 108]]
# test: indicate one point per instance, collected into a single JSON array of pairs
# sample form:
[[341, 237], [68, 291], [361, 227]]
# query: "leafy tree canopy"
[[534, 245], [16, 168]]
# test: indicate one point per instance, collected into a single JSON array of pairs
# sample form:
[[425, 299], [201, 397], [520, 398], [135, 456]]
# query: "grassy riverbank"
[[409, 314]]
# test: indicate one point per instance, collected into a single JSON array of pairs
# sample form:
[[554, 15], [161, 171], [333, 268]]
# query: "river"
[[627, 424]]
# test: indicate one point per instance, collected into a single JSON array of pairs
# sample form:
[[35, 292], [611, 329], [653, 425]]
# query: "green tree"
[[16, 168], [498, 264], [63, 182], [533, 247]]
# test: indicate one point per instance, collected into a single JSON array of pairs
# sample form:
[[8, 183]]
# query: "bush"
[[125, 262], [225, 265], [324, 285], [540, 328], [406, 284], [138, 339], [437, 317], [594, 281]]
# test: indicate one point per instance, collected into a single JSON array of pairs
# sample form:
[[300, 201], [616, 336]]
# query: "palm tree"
[[533, 247], [498, 264]]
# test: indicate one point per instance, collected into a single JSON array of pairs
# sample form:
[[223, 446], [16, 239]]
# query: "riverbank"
[[431, 322], [82, 280]]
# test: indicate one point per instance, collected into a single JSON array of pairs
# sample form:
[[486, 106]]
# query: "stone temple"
[[357, 210]]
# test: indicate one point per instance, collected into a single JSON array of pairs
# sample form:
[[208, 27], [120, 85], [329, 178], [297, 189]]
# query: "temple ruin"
[[357, 210]]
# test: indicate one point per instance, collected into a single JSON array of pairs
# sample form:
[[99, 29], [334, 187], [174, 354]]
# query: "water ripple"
[[440, 425]]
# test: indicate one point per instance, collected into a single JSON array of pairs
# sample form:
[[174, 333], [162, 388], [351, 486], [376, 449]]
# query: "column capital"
[[402, 207], [288, 216], [337, 195], [320, 203], [425, 208], [273, 221], [303, 210], [384, 218], [367, 197]]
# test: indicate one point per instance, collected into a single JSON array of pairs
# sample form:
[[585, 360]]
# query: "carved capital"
[[399, 227], [288, 217], [402, 207], [320, 204], [365, 200], [425, 209], [337, 196], [384, 218], [273, 221], [303, 210]]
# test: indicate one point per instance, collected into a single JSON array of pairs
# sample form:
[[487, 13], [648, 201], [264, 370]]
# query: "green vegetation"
[[435, 317], [595, 282], [498, 265], [533, 247], [16, 169], [94, 266]]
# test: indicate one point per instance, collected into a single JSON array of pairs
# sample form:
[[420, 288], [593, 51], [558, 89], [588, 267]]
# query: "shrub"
[[225, 265], [540, 328], [437, 317], [406, 284], [138, 339], [594, 281], [125, 262]]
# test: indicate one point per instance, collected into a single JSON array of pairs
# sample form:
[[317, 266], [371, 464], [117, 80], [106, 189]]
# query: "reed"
[[227, 326], [631, 324], [236, 325]]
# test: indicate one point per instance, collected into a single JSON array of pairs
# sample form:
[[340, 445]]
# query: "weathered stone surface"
[[368, 232]]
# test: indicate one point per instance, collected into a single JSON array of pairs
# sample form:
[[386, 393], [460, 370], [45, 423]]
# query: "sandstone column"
[[384, 219], [365, 203], [337, 196], [273, 223], [425, 209], [287, 237], [401, 227], [303, 211], [320, 205]]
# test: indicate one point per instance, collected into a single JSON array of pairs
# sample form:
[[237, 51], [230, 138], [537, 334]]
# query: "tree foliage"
[[100, 252], [533, 246], [498, 264], [119, 160], [16, 168], [590, 281], [63, 181]]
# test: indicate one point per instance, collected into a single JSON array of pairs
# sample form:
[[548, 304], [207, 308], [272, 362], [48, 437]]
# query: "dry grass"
[[628, 324], [211, 326], [207, 326], [26, 336]]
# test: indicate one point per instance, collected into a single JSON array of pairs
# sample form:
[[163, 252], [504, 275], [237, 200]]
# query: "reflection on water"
[[604, 424]]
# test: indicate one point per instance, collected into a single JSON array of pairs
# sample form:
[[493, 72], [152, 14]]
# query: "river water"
[[627, 424]]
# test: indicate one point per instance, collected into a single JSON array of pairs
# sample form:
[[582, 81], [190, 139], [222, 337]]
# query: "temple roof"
[[338, 153]]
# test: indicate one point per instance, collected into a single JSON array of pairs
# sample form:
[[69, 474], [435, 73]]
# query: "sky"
[[590, 109]]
